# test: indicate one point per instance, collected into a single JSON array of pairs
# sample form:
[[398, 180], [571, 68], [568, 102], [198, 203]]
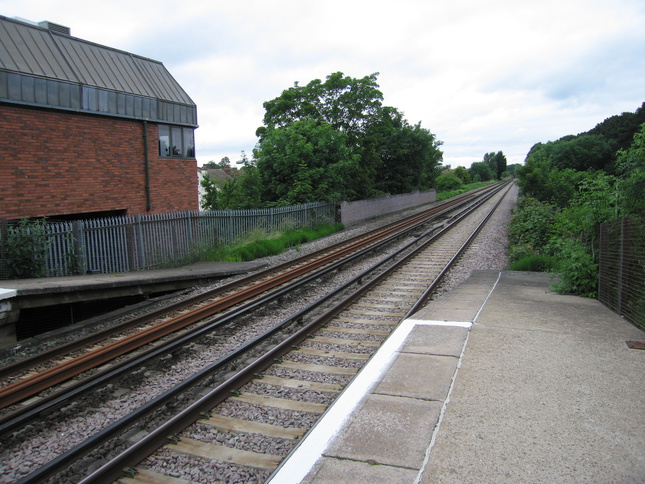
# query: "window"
[[175, 141]]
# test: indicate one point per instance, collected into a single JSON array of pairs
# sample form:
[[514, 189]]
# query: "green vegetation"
[[535, 263], [261, 244], [330, 140], [570, 186], [26, 249], [445, 195]]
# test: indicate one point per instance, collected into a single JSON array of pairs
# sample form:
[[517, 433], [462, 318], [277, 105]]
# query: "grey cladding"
[[47, 67]]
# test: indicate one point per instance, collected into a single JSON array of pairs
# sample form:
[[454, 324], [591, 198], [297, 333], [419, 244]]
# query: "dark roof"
[[218, 174], [47, 67]]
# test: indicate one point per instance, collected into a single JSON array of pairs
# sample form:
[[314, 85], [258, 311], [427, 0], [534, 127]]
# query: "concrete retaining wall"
[[359, 210]]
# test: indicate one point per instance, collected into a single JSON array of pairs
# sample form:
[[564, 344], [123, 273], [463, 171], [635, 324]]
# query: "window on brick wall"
[[176, 142]]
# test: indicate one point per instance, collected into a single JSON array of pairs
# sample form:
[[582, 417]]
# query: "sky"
[[481, 75]]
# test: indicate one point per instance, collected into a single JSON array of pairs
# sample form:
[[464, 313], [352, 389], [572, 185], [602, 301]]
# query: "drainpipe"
[[147, 164]]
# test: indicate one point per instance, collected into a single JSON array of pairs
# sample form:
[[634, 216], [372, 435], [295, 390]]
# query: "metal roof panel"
[[32, 50]]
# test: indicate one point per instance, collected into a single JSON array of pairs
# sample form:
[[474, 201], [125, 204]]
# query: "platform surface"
[[503, 380], [192, 272]]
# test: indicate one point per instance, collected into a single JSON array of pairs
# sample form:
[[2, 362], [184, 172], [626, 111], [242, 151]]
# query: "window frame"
[[180, 141]]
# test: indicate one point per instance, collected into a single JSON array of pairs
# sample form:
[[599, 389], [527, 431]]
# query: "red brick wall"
[[56, 163]]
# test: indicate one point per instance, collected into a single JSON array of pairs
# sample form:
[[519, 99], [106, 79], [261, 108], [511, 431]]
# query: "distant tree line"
[[331, 140], [571, 185], [493, 167]]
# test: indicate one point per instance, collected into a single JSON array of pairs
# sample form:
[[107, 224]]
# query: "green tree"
[[448, 181], [496, 162], [311, 146], [463, 174], [630, 166], [480, 171], [345, 103], [582, 152], [210, 198], [306, 127], [409, 155], [224, 163]]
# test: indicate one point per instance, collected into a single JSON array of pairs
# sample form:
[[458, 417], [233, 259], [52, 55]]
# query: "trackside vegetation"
[[262, 244], [568, 187]]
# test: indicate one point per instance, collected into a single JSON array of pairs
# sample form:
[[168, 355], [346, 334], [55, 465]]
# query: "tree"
[[630, 166], [582, 153], [408, 154], [350, 145], [512, 168], [210, 198], [286, 153], [496, 162], [448, 181], [480, 171], [345, 103], [463, 174], [224, 163]]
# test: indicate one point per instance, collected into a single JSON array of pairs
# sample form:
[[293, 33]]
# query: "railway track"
[[42, 370], [350, 337]]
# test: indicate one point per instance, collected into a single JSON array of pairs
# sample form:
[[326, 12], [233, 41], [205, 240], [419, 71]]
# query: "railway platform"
[[502, 380], [20, 294]]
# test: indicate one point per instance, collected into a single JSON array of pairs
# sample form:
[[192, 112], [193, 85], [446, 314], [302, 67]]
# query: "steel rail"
[[27, 387], [158, 313], [139, 451], [27, 413]]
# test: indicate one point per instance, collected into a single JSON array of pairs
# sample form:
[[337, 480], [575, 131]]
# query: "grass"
[[262, 244], [535, 263], [466, 188]]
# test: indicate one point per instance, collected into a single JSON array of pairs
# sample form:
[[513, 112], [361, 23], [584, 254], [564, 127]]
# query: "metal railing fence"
[[142, 242], [621, 284]]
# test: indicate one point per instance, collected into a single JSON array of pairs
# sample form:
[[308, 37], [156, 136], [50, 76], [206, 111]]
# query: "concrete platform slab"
[[436, 340], [426, 377], [335, 471], [389, 431], [548, 391], [545, 389]]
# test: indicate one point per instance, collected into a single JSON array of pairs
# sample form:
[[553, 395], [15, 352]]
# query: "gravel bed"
[[274, 416], [39, 446], [489, 251], [184, 467]]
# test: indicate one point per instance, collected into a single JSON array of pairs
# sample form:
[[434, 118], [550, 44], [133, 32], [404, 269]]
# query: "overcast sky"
[[482, 75]]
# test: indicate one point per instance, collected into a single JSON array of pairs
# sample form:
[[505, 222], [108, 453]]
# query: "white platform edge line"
[[423, 322], [8, 293], [302, 460]]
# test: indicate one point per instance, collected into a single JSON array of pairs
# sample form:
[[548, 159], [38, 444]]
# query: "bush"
[[577, 270], [530, 228], [263, 244], [448, 181], [535, 263], [26, 249]]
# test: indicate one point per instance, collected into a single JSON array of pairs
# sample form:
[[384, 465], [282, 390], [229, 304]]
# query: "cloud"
[[482, 76]]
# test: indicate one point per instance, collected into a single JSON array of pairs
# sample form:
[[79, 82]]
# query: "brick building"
[[88, 130]]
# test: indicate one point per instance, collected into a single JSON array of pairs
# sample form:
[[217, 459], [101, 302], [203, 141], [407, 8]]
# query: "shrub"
[[577, 270], [535, 263], [26, 249], [530, 227], [261, 244], [448, 181]]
